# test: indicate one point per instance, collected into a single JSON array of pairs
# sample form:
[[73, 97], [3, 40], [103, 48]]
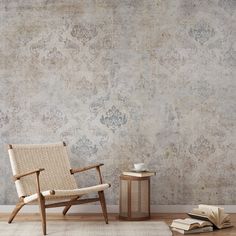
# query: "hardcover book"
[[214, 214], [139, 174], [194, 231], [189, 224]]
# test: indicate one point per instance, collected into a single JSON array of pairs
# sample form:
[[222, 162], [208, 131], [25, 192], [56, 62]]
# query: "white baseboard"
[[111, 209]]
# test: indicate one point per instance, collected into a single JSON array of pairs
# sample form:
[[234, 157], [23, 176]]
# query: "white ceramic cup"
[[139, 166]]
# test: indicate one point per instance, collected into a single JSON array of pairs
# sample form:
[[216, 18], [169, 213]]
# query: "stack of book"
[[205, 218], [191, 226], [139, 173]]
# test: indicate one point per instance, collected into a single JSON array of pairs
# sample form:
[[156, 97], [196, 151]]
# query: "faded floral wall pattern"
[[122, 82]]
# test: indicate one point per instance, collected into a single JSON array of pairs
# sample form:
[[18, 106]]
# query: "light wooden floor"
[[114, 217]]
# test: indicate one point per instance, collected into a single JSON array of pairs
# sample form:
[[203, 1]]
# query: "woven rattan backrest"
[[52, 157]]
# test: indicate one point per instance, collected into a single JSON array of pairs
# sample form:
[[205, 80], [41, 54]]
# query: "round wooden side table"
[[134, 198]]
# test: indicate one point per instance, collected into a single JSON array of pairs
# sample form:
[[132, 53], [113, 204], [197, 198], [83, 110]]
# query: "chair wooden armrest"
[[37, 171], [77, 170], [97, 166]]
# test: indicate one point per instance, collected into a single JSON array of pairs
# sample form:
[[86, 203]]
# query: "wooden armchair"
[[42, 173]]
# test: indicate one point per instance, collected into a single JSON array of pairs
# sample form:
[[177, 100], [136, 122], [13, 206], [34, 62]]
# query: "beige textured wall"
[[123, 81]]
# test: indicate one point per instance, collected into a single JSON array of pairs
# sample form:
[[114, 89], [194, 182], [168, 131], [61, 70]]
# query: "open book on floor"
[[189, 224], [214, 214]]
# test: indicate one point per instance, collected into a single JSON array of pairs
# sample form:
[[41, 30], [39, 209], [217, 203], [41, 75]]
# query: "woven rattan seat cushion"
[[67, 193]]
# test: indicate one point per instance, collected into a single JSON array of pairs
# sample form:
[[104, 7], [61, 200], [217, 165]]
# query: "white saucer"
[[142, 170]]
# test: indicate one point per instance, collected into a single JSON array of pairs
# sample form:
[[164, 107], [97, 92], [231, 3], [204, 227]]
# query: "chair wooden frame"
[[67, 204]]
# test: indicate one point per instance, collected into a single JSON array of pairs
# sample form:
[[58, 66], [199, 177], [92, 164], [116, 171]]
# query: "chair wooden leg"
[[17, 208], [103, 205], [42, 209], [66, 208]]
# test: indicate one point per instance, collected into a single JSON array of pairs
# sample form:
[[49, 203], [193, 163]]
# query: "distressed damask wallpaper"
[[124, 81]]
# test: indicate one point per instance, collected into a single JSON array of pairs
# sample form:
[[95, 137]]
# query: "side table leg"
[[149, 198], [129, 199]]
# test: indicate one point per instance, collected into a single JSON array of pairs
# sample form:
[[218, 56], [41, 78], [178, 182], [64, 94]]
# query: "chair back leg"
[[66, 208], [103, 205], [42, 209], [17, 208]]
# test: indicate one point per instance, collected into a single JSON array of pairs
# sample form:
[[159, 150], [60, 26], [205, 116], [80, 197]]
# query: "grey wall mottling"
[[122, 82]]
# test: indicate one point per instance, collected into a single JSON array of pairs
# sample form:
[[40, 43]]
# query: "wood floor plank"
[[114, 217]]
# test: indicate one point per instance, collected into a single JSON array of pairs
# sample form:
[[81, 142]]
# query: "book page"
[[199, 211], [194, 221], [226, 218], [211, 212], [223, 216], [191, 221]]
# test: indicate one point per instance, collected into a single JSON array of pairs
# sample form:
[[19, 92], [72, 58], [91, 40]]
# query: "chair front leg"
[[17, 208], [42, 209], [103, 205], [41, 200]]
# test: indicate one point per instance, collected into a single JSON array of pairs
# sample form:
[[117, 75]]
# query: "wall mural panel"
[[123, 82]]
